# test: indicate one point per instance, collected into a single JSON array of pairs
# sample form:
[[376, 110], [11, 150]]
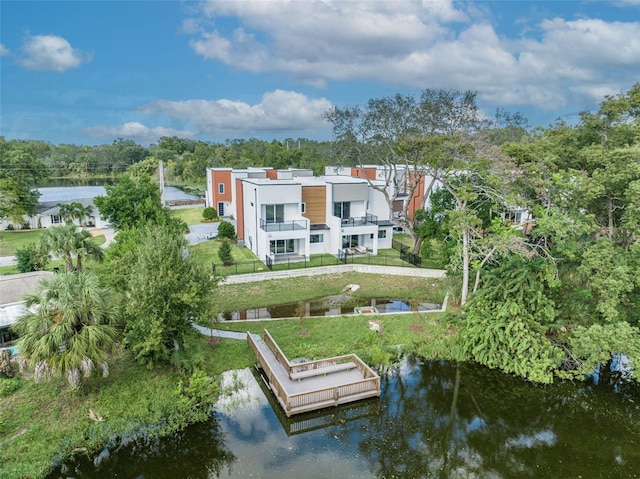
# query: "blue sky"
[[88, 72]]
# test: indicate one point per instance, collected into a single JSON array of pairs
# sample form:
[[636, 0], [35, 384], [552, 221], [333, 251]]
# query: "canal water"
[[327, 306], [433, 420]]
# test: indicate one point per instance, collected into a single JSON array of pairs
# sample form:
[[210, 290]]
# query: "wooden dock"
[[313, 385]]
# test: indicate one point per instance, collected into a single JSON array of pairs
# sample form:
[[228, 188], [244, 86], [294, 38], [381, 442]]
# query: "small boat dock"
[[313, 385]]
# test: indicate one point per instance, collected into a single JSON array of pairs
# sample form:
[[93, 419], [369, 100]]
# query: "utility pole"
[[161, 179]]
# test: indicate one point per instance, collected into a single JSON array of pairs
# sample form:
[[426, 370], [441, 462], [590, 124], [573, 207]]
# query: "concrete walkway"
[[219, 333]]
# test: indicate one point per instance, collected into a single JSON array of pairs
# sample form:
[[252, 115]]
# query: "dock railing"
[[319, 398]]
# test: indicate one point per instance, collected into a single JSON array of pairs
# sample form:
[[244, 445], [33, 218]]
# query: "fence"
[[406, 255], [406, 260]]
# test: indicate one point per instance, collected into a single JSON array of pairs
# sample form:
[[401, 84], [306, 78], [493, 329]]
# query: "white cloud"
[[51, 53], [3, 50], [136, 131], [423, 44], [278, 110]]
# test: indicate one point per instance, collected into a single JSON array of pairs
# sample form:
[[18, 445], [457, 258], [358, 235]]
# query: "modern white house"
[[293, 214]]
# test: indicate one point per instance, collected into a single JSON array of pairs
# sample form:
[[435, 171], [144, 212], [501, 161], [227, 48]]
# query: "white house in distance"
[[292, 214]]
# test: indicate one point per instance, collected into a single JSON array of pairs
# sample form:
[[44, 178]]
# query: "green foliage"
[[67, 241], [504, 323], [598, 344], [68, 328], [20, 170], [609, 276], [209, 214], [9, 385], [199, 393], [226, 230], [224, 253], [29, 258], [134, 202], [166, 289]]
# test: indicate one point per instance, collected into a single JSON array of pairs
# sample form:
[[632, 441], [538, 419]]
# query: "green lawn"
[[191, 216], [10, 241], [56, 263], [207, 251]]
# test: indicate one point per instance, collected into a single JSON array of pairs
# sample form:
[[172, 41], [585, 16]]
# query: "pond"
[[328, 306], [433, 419]]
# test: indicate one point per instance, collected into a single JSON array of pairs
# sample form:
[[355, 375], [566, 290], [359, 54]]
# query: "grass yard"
[[10, 241], [40, 422], [208, 252], [233, 297], [191, 216], [426, 335], [56, 263]]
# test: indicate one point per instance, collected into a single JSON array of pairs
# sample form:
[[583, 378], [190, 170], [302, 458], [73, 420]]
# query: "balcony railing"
[[283, 226], [359, 221]]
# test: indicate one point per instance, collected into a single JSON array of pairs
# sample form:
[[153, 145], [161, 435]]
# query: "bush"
[[226, 230], [224, 253], [210, 214], [30, 259]]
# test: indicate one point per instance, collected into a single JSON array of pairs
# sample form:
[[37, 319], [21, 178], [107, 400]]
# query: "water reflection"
[[327, 306], [433, 420]]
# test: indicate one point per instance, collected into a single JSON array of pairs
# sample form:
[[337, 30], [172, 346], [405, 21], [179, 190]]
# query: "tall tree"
[[134, 202], [20, 171], [69, 327], [166, 289]]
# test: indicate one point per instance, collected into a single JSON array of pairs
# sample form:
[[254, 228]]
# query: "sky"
[[89, 72]]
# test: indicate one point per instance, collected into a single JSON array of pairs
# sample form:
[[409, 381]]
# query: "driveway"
[[202, 232]]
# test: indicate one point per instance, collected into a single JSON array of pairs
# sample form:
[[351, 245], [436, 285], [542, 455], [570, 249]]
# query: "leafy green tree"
[[68, 241], [69, 328], [226, 230], [224, 253], [135, 202], [20, 171], [30, 258], [166, 289], [209, 214], [505, 322]]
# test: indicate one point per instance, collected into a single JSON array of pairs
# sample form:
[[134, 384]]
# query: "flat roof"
[[14, 287]]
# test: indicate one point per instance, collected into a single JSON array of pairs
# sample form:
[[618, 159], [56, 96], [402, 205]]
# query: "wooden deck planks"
[[337, 386]]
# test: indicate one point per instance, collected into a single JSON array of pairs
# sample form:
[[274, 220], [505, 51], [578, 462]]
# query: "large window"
[[349, 241], [342, 209], [55, 219], [282, 246], [274, 213], [319, 238], [382, 234]]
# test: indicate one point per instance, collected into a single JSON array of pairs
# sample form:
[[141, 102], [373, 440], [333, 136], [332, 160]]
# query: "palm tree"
[[69, 327], [67, 241]]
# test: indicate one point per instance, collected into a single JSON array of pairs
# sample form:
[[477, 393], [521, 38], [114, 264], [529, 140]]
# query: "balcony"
[[284, 225], [359, 221]]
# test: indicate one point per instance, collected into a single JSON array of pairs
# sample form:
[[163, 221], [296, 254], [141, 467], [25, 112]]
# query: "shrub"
[[226, 230], [29, 258], [224, 253], [210, 214]]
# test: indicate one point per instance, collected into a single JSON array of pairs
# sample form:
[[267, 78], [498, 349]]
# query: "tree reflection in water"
[[442, 420], [434, 420], [198, 452]]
